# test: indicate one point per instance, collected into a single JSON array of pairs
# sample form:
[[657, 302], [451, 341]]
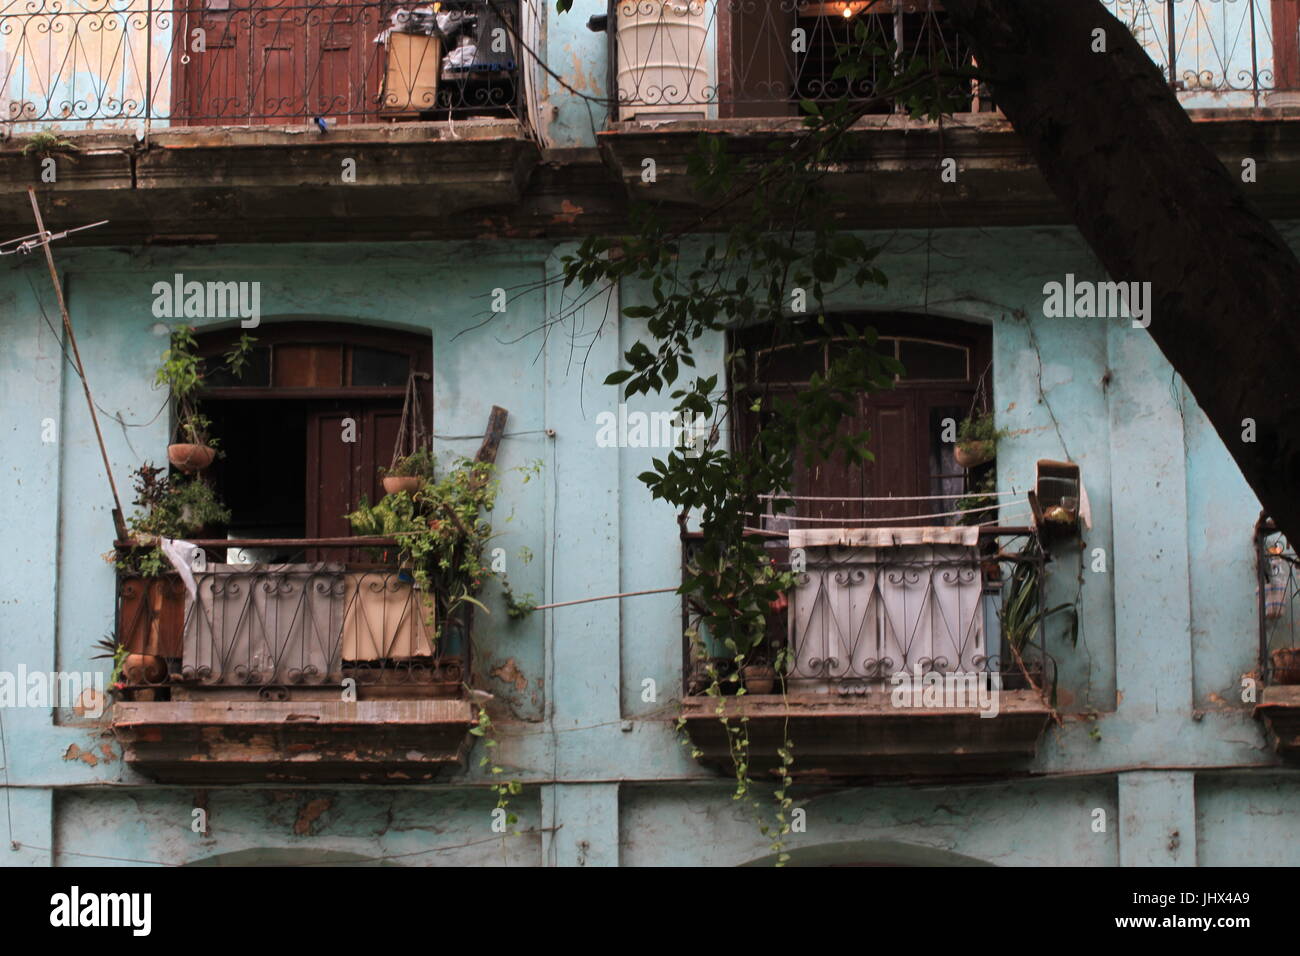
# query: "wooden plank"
[[492, 437]]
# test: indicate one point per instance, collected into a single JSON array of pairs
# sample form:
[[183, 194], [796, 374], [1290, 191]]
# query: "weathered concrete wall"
[[1168, 628]]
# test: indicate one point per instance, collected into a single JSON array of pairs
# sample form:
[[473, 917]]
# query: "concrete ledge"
[[378, 741], [888, 174], [867, 738]]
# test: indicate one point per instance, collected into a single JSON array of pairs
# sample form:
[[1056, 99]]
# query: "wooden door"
[[1286, 44], [340, 472], [276, 63]]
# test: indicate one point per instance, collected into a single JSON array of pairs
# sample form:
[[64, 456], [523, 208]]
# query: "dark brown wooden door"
[[1286, 44], [275, 63], [340, 472]]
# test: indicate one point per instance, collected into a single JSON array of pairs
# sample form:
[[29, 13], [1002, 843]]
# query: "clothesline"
[[974, 494], [1014, 516], [937, 514]]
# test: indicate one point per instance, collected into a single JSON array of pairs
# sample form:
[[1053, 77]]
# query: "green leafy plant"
[[1022, 614], [419, 464], [771, 269], [979, 427], [483, 727], [116, 653], [182, 371], [441, 534], [167, 506], [45, 143], [978, 504], [517, 606]]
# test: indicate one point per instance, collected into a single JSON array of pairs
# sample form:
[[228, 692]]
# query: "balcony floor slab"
[[241, 741]]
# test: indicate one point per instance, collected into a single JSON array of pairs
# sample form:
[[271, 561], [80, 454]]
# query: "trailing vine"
[[773, 269], [505, 789]]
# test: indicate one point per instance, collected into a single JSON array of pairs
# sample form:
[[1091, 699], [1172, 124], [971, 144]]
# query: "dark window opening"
[[764, 69], [306, 428]]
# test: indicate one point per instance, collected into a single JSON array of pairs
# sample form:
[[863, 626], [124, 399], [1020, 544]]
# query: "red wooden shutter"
[[1286, 44]]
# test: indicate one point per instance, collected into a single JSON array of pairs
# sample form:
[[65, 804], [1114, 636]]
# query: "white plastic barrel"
[[663, 68]]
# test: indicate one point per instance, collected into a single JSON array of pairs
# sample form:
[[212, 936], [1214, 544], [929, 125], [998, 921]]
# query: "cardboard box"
[[411, 76]]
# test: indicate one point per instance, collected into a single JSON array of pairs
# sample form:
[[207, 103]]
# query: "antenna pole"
[[119, 524]]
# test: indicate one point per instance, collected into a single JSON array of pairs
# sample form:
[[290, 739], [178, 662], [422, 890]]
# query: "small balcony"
[[1279, 638], [904, 657], [301, 671], [681, 60], [148, 64]]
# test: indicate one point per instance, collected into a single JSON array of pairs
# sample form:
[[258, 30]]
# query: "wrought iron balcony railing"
[[703, 59], [939, 601], [287, 631], [1279, 606], [158, 63]]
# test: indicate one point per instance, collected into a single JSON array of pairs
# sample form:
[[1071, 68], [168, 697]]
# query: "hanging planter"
[[395, 484], [182, 372], [977, 440], [190, 458], [412, 463], [972, 454]]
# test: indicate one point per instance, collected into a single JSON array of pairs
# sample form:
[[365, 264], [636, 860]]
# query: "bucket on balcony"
[[151, 615], [411, 75], [1286, 665], [663, 69], [1275, 589]]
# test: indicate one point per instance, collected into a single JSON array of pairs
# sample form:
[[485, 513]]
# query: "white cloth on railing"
[[181, 555], [965, 535]]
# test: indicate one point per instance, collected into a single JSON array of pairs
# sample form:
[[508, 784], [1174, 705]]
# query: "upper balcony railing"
[[164, 63], [707, 59], [276, 632], [1279, 606], [894, 601]]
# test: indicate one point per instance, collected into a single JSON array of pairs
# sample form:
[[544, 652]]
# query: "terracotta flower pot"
[[190, 458], [394, 485], [1286, 665], [758, 678], [970, 454], [143, 669]]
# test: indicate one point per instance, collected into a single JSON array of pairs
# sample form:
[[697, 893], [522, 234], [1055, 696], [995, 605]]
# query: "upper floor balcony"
[[159, 64], [679, 60]]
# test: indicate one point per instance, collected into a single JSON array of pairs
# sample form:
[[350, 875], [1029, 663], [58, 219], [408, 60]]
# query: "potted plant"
[[1021, 616], [977, 440], [442, 537], [408, 472], [758, 676], [182, 372], [741, 603], [978, 505], [151, 612]]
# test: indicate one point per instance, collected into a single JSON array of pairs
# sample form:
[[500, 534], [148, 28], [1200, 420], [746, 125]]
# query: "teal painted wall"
[[1153, 733]]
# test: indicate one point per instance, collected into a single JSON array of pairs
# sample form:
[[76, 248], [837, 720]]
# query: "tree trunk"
[[1156, 205]]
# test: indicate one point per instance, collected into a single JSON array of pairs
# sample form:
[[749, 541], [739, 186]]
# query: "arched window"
[[948, 374], [308, 424]]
